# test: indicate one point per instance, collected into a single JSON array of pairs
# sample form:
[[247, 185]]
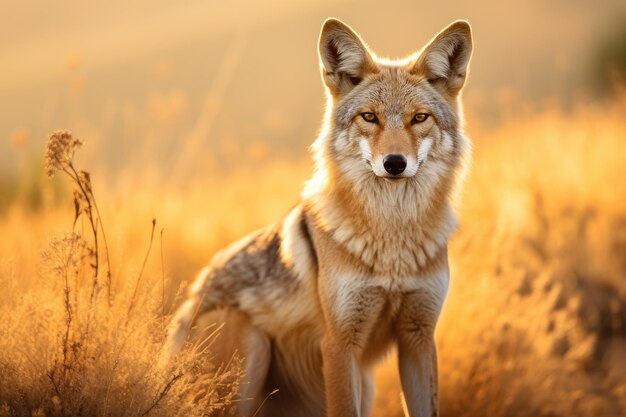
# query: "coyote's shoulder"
[[361, 263]]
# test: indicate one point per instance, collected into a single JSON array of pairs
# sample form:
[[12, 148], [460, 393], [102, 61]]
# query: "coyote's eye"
[[369, 117], [419, 118], [355, 80]]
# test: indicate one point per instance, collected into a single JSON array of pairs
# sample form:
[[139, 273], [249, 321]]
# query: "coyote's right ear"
[[345, 59]]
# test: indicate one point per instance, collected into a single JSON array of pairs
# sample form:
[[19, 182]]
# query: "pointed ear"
[[444, 61], [344, 58]]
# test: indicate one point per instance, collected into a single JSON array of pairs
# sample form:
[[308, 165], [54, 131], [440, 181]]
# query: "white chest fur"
[[349, 291]]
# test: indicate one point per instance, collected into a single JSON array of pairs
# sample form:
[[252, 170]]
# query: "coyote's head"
[[393, 120]]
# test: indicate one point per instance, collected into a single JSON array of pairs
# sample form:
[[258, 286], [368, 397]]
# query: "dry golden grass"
[[535, 322], [76, 346]]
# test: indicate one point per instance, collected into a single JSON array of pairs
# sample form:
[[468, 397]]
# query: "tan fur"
[[361, 263]]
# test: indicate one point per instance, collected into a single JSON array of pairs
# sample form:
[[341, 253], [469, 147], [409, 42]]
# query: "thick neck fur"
[[392, 227]]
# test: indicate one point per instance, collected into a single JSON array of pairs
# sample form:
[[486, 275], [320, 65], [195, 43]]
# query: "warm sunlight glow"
[[203, 115]]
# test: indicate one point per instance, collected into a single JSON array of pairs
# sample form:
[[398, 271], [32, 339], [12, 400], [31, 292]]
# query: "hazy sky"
[[238, 72]]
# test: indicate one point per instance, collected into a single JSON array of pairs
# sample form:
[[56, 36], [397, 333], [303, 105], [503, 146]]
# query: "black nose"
[[394, 164]]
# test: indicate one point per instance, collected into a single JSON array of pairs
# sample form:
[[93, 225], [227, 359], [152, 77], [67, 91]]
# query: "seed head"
[[60, 150]]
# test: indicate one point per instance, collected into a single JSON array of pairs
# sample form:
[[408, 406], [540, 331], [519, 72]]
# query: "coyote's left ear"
[[444, 61], [345, 59]]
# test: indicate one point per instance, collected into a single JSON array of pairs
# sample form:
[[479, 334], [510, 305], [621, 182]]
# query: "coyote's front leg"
[[350, 315], [417, 353], [418, 374], [342, 378]]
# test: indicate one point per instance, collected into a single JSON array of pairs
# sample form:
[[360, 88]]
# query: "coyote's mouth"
[[394, 179]]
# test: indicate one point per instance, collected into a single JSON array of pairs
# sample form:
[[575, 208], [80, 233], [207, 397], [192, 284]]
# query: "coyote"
[[361, 263]]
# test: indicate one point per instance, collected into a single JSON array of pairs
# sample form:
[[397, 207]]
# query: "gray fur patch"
[[256, 264], [395, 91]]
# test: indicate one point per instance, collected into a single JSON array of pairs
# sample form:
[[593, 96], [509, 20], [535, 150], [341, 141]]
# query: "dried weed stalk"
[[79, 354], [59, 156]]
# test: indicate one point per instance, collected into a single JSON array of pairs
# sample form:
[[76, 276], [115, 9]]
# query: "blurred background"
[[241, 77], [199, 114]]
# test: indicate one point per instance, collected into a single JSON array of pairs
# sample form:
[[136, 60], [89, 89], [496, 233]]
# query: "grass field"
[[534, 325]]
